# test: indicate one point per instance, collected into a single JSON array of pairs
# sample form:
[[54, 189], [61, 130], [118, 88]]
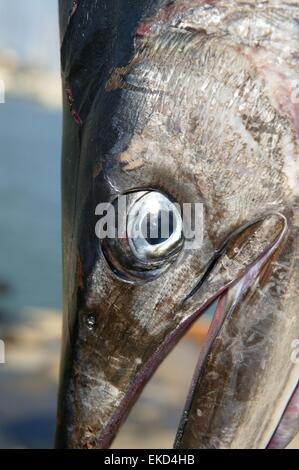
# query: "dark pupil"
[[157, 228]]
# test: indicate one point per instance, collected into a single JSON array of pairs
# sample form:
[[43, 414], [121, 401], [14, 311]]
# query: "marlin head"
[[188, 106]]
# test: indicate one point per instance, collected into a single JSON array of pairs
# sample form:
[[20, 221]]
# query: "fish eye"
[[154, 227], [149, 236]]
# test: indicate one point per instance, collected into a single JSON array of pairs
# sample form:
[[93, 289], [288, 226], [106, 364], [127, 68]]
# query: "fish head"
[[198, 117]]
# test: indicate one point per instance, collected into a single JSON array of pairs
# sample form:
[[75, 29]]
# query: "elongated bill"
[[245, 389], [115, 354]]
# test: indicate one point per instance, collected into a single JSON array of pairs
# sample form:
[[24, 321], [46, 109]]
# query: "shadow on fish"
[[174, 103]]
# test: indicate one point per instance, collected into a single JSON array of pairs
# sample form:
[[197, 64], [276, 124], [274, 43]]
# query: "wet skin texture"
[[197, 100]]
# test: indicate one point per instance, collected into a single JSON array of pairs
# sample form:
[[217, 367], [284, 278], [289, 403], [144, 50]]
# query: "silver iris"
[[154, 227], [152, 238]]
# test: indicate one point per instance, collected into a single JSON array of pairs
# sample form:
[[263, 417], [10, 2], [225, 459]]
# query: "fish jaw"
[[244, 393]]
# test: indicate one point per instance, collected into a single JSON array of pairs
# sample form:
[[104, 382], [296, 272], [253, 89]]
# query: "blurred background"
[[30, 251], [30, 254]]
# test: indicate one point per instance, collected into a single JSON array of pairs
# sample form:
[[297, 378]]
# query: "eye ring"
[[149, 236]]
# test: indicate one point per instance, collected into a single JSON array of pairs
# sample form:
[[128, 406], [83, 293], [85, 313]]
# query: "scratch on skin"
[[133, 158], [80, 273], [97, 170], [171, 10], [73, 9], [71, 101], [134, 165], [118, 81], [90, 438]]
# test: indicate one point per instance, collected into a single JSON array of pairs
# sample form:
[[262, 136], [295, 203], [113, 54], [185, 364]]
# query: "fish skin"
[[288, 425], [205, 121]]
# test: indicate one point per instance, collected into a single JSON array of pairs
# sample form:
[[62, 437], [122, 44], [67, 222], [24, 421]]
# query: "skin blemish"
[[117, 79], [133, 158], [74, 114], [91, 321], [73, 9], [90, 439], [97, 170], [134, 165], [142, 30], [76, 118], [80, 273]]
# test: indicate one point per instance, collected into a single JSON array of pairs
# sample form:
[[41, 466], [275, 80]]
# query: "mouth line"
[[235, 289], [225, 245]]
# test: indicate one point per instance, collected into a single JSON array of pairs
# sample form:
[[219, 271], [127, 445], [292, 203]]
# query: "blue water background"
[[30, 247]]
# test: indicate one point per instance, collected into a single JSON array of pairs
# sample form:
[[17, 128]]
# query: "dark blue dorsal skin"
[[96, 38]]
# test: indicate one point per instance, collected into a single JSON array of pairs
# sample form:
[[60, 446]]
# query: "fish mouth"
[[226, 302], [227, 295]]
